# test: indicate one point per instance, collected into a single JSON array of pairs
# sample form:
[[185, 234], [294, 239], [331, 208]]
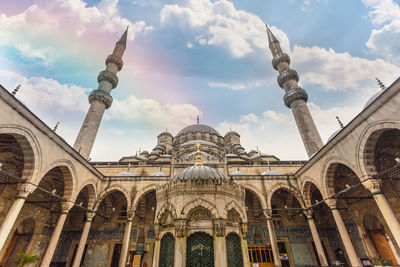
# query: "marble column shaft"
[[125, 243], [83, 239], [317, 241], [344, 235], [274, 243]]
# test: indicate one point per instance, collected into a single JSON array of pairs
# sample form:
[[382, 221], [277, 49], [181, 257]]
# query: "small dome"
[[125, 174], [259, 155], [159, 174], [232, 132], [333, 135], [238, 173], [372, 99], [199, 173], [198, 128], [271, 172], [165, 133]]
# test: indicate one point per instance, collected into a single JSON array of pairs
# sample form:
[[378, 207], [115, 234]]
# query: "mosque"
[[199, 198]]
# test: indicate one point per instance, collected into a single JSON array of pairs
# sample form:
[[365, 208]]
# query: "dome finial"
[[198, 119], [340, 122], [198, 161], [381, 85]]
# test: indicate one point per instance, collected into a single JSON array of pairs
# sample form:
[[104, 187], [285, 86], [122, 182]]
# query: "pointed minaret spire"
[[295, 97], [381, 85], [100, 99], [340, 122]]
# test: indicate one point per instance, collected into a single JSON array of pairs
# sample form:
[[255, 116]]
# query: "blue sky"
[[189, 57]]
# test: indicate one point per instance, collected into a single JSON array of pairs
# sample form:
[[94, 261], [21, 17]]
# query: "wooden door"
[[261, 256], [382, 245]]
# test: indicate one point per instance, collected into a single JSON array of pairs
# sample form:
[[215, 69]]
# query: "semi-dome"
[[198, 128], [199, 173]]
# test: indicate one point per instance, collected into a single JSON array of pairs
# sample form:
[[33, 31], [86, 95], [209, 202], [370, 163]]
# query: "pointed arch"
[[91, 194], [30, 149], [256, 192], [306, 190], [328, 172], [200, 202], [285, 187], [109, 190], [166, 207], [366, 145], [235, 206], [144, 191]]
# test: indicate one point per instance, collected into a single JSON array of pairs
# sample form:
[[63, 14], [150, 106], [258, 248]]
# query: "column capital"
[[90, 215], [219, 227], [374, 186], [66, 206], [180, 227], [129, 215], [267, 213], [243, 228], [157, 231], [25, 189], [331, 202], [309, 214]]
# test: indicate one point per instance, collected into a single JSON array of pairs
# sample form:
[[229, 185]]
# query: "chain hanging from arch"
[[234, 250], [200, 250], [167, 251]]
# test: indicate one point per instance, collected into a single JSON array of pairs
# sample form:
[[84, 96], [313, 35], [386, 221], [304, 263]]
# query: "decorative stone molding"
[[374, 186], [157, 231], [89, 216], [102, 96], [180, 228], [243, 228], [108, 76], [287, 75], [24, 190], [294, 94], [279, 59], [66, 206], [116, 60], [219, 227]]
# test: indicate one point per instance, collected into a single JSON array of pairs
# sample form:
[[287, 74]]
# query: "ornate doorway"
[[234, 250], [200, 250], [167, 251]]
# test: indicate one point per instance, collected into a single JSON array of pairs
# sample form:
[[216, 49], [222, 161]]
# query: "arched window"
[[167, 251]]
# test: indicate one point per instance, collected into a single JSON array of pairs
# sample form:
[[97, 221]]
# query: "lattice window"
[[234, 250], [4, 179], [167, 251], [200, 250]]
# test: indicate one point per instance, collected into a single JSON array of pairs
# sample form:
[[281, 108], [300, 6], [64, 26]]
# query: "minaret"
[[295, 97], [100, 99]]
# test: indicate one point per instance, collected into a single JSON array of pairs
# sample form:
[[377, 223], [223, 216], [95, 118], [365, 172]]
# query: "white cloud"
[[276, 133], [158, 114], [340, 71], [220, 24], [45, 26], [385, 39]]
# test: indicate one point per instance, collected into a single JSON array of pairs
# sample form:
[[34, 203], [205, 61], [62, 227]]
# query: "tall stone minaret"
[[295, 97], [100, 99]]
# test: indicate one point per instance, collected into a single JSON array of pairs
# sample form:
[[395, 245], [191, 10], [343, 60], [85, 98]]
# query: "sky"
[[197, 57]]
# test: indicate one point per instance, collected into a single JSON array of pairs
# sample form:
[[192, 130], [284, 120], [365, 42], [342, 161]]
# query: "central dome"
[[198, 128], [199, 173]]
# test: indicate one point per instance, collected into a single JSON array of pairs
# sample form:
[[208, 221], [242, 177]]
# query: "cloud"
[[385, 38], [220, 24], [340, 71], [45, 26], [275, 132], [155, 113]]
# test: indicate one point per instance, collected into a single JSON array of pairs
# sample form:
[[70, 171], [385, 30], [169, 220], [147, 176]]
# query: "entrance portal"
[[200, 250]]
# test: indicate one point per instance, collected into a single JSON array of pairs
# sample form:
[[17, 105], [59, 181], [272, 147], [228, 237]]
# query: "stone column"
[[82, 241], [180, 243], [274, 243], [24, 190], [396, 255], [157, 244], [51, 247], [344, 235], [317, 241], [220, 243], [394, 226], [245, 249], [125, 243]]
